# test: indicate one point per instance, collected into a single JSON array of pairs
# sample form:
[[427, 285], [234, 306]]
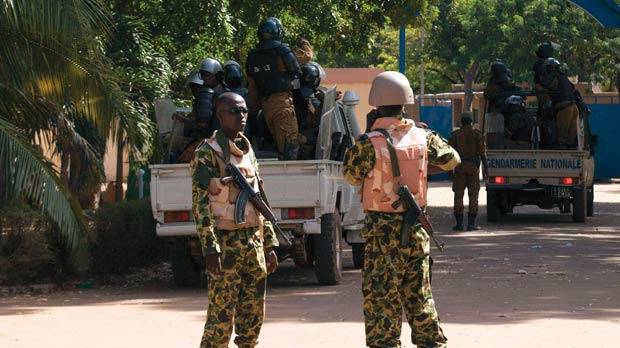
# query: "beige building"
[[355, 79]]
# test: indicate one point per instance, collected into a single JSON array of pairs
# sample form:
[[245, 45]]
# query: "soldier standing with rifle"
[[390, 162], [236, 241], [469, 143]]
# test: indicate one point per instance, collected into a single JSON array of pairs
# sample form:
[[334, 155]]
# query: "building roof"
[[351, 75]]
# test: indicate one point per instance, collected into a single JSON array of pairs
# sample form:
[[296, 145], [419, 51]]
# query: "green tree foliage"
[[52, 71], [187, 31], [469, 34]]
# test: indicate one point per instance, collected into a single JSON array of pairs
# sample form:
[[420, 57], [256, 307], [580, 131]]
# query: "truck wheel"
[[357, 250], [580, 203], [185, 271], [590, 211], [493, 211], [328, 253]]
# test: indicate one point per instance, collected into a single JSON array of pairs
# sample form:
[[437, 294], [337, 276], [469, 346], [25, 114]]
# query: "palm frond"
[[54, 50], [27, 173]]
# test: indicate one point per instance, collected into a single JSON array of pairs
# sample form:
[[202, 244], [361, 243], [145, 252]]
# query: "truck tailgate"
[[171, 187], [535, 163], [301, 183]]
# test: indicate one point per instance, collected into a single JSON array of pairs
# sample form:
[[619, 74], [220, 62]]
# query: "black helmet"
[[233, 74], [500, 72], [467, 115], [310, 78], [270, 29], [545, 50], [552, 64], [515, 101]]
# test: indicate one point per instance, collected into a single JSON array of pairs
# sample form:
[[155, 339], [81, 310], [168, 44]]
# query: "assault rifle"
[[413, 215], [247, 193]]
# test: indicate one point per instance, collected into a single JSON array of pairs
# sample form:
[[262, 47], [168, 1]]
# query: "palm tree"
[[53, 69]]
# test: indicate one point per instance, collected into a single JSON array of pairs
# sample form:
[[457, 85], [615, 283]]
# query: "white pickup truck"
[[315, 207], [545, 178]]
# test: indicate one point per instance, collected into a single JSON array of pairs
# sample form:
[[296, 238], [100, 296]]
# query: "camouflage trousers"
[[566, 123], [466, 176], [238, 295], [280, 117], [397, 278]]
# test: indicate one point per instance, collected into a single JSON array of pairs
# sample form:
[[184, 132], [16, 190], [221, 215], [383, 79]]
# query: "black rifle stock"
[[247, 193], [413, 214]]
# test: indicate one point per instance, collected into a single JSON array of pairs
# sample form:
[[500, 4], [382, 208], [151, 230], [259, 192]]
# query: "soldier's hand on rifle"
[[214, 264], [272, 261]]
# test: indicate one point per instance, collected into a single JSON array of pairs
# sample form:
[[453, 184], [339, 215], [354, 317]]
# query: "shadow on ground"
[[533, 264]]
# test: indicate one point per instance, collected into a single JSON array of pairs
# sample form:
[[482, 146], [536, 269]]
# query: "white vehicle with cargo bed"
[[547, 178], [314, 206]]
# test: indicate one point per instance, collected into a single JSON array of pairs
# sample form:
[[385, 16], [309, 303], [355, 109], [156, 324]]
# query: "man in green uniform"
[[396, 276], [469, 143], [238, 256]]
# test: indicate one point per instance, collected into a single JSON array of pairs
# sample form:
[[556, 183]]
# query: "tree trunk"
[[468, 81], [118, 188], [64, 167]]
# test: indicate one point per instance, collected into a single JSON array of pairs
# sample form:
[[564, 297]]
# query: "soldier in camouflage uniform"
[[469, 143], [396, 277], [239, 257]]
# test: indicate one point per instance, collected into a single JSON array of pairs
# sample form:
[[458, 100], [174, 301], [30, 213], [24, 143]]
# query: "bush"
[[125, 237], [31, 248]]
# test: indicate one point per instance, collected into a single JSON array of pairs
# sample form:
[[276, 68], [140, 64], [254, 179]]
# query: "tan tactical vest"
[[380, 187], [222, 197]]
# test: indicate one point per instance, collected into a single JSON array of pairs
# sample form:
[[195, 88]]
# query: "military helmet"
[[552, 64], [467, 115], [195, 79], [270, 29], [545, 50], [390, 88], [515, 100], [233, 74], [211, 65], [310, 78], [498, 67]]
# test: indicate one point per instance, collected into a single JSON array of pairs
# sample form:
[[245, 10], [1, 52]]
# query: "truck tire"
[[357, 249], [328, 252], [580, 203], [493, 211], [590, 211], [185, 271]]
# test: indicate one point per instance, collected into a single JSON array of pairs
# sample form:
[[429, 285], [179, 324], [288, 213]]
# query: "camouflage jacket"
[[203, 168], [360, 160]]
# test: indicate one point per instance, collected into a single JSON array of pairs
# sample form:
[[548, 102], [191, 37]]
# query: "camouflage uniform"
[[469, 143], [397, 278], [239, 293]]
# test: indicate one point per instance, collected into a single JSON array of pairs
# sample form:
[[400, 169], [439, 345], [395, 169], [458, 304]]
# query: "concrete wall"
[[356, 79]]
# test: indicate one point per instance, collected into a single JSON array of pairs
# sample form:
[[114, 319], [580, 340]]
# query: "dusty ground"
[[534, 280]]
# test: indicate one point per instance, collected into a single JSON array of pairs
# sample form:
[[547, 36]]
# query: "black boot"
[[459, 222], [471, 222]]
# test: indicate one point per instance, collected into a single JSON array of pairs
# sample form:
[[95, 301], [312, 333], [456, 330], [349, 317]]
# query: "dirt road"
[[533, 280]]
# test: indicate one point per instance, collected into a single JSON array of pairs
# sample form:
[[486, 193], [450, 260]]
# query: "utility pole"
[[422, 77], [402, 50]]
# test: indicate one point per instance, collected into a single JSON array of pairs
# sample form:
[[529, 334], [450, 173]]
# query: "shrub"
[[125, 237], [31, 249]]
